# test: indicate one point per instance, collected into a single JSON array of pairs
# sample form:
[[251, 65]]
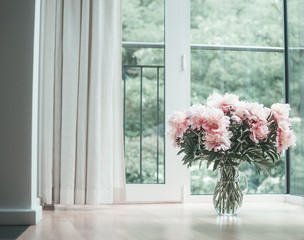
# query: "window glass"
[[143, 21], [296, 80], [254, 72], [237, 22], [143, 88]]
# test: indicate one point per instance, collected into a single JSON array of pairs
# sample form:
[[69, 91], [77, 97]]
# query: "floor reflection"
[[228, 222]]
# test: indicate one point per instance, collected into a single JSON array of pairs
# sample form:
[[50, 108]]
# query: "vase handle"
[[246, 182]]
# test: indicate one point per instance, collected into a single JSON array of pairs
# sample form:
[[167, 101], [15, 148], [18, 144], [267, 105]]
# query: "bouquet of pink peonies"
[[227, 132]]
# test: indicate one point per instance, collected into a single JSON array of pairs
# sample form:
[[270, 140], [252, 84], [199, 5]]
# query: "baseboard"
[[20, 216]]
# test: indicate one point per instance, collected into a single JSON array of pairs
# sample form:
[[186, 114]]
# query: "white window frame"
[[177, 94]]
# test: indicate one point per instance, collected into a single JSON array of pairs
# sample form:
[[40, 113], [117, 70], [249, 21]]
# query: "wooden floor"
[[170, 221]]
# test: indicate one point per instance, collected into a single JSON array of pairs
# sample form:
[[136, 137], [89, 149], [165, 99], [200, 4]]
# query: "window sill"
[[252, 198]]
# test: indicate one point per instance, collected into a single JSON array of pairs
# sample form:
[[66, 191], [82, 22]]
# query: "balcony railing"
[[212, 47], [158, 170]]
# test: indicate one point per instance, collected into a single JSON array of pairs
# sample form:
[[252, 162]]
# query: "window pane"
[[143, 21], [296, 79], [255, 75], [143, 76], [144, 124], [237, 22], [248, 74]]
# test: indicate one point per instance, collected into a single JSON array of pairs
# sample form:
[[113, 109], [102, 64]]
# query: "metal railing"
[[212, 47], [142, 45], [141, 70], [235, 48]]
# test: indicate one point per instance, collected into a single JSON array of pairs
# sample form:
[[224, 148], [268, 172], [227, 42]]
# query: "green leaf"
[[211, 158], [200, 164], [248, 158], [216, 163], [233, 155], [278, 163], [181, 151], [273, 155], [233, 163], [264, 165]]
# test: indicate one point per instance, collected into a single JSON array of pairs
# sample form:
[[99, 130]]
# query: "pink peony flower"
[[217, 142], [240, 112], [259, 131], [196, 115], [178, 123], [227, 103], [281, 109], [280, 113], [216, 121], [256, 112], [284, 124], [284, 140]]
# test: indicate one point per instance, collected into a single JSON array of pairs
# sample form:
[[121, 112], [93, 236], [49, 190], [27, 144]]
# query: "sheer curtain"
[[81, 135]]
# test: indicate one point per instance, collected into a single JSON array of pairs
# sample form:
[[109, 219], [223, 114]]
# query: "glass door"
[[152, 84], [296, 92], [237, 47]]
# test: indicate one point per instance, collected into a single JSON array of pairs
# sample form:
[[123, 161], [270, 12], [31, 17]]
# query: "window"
[[296, 92], [144, 44], [237, 47], [143, 76]]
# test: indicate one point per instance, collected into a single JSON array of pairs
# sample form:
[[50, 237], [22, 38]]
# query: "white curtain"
[[81, 135]]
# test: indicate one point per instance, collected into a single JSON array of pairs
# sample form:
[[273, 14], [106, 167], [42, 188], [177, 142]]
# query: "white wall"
[[18, 85]]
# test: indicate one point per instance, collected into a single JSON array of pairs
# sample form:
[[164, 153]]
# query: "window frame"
[[177, 96]]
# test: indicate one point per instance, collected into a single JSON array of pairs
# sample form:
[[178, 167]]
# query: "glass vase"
[[228, 197]]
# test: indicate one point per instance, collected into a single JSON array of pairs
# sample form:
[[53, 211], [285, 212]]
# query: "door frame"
[[177, 97]]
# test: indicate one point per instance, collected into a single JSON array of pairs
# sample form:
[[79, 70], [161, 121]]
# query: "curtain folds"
[[81, 135]]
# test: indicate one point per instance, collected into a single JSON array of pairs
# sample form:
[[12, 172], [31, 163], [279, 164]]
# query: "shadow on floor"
[[11, 232]]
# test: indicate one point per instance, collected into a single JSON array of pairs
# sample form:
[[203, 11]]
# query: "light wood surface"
[[170, 221]]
